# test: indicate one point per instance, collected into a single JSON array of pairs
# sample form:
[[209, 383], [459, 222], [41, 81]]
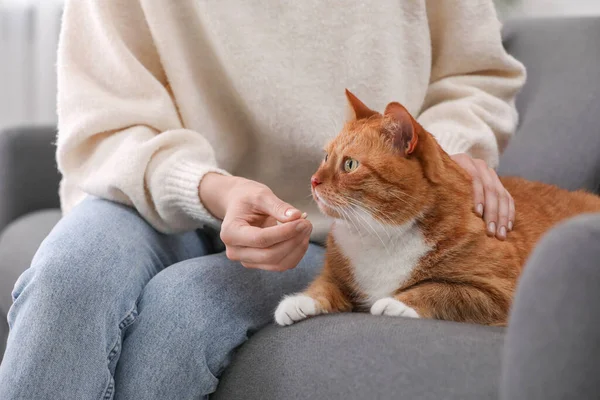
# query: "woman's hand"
[[250, 212], [492, 201]]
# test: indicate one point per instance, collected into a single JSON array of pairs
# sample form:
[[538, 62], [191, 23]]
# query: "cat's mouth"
[[320, 200], [325, 207]]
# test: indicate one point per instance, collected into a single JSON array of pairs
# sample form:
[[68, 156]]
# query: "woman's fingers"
[[503, 209], [478, 196], [293, 258], [290, 261], [490, 213], [491, 200], [269, 204], [270, 221], [478, 187], [239, 232], [468, 164], [250, 228], [511, 213], [266, 256]]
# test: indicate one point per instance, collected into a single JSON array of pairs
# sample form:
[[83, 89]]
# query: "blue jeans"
[[111, 308]]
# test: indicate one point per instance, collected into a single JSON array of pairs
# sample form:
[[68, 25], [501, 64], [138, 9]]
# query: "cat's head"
[[384, 165]]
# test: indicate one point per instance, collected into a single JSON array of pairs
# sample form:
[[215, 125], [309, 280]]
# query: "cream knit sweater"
[[153, 94]]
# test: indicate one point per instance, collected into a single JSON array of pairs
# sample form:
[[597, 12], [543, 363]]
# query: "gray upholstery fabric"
[[552, 350], [18, 243], [28, 174], [358, 356], [558, 140]]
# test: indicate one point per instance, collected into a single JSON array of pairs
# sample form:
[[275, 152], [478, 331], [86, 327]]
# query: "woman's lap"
[[214, 304], [103, 273]]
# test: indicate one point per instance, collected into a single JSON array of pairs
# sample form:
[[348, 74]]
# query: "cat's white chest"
[[382, 258]]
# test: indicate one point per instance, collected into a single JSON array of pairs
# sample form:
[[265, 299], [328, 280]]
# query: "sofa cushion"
[[28, 175], [18, 244], [558, 140], [358, 356]]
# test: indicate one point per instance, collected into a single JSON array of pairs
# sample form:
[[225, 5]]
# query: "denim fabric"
[[111, 308]]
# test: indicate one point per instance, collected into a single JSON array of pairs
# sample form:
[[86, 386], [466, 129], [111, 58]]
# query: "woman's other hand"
[[250, 212], [491, 200]]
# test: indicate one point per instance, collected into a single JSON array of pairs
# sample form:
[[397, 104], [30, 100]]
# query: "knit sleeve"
[[470, 103], [120, 134]]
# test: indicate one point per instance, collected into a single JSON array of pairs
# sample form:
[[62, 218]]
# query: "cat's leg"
[[324, 295], [447, 301]]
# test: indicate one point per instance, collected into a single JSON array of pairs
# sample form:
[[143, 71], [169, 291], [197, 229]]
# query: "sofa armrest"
[[29, 178], [558, 140]]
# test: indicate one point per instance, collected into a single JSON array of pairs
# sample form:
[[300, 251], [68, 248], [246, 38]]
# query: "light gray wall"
[[550, 8]]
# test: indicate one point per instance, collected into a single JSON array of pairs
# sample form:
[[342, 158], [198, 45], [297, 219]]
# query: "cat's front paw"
[[393, 308], [296, 308]]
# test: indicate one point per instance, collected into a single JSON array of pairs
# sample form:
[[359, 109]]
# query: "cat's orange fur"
[[404, 175]]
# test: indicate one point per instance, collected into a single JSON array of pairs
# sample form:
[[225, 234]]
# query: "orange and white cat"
[[406, 240]]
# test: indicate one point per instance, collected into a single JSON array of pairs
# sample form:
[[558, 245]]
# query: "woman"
[[176, 118]]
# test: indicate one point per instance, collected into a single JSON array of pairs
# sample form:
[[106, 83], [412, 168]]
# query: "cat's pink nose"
[[314, 181]]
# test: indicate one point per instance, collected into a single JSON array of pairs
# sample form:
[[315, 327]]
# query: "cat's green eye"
[[350, 165]]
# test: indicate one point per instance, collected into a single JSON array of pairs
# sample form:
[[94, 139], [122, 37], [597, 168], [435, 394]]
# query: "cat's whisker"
[[370, 210], [383, 226], [366, 224], [373, 229], [376, 213], [340, 210], [352, 222], [346, 216], [405, 195]]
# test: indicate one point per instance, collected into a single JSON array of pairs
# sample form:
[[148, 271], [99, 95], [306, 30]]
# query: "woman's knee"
[[201, 288], [213, 286], [222, 300]]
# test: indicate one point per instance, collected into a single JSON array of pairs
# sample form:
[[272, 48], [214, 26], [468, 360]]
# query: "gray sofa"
[[356, 356]]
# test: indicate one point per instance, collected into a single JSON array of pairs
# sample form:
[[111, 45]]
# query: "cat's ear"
[[400, 126], [356, 108]]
